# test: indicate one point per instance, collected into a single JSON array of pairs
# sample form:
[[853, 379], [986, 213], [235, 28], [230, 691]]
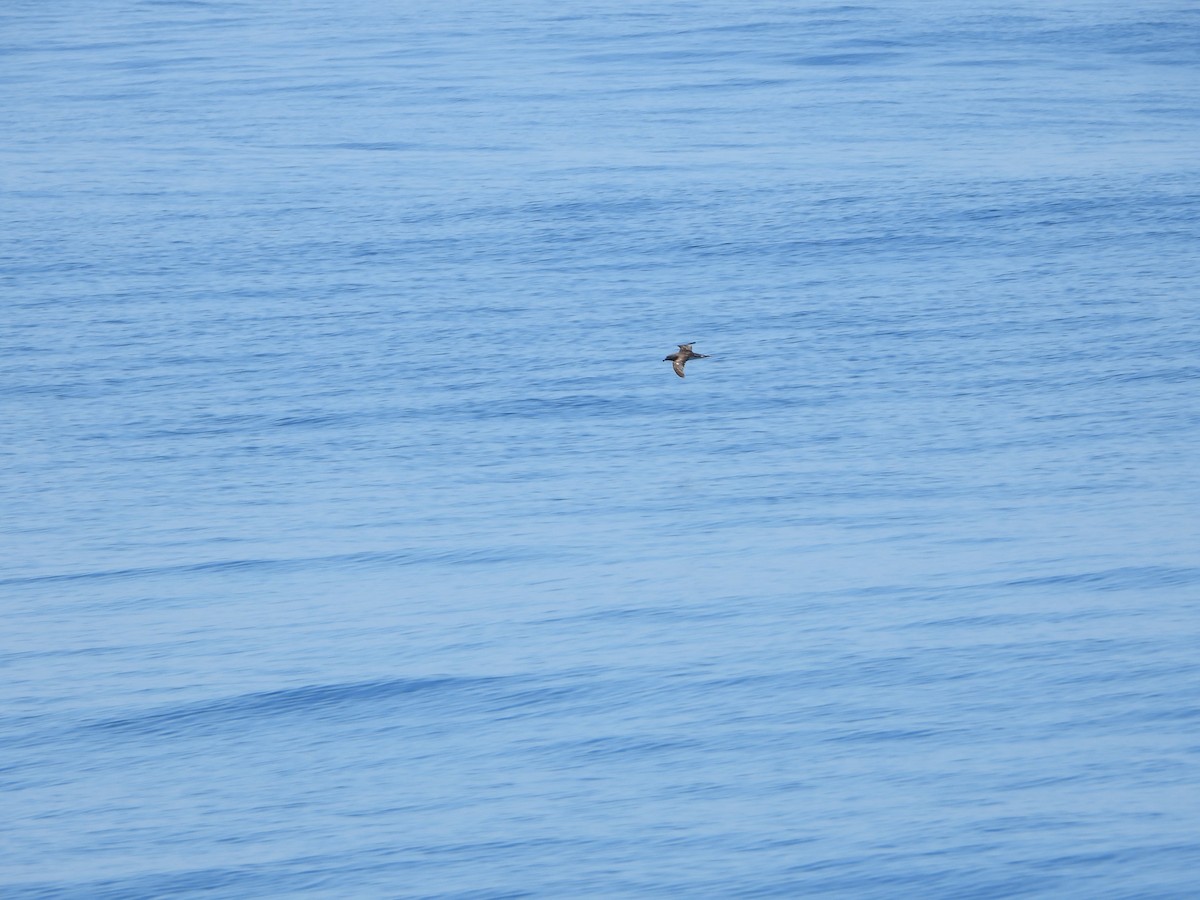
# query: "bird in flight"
[[678, 360]]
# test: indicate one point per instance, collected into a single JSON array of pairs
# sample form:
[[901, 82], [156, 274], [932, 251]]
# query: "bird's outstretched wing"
[[677, 365]]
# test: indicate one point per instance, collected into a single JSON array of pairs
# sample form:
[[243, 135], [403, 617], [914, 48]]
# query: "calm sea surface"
[[355, 541]]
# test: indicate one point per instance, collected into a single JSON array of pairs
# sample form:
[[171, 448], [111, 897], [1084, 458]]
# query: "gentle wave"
[[463, 556]]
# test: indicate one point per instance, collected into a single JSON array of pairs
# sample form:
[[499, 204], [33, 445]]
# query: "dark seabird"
[[678, 360]]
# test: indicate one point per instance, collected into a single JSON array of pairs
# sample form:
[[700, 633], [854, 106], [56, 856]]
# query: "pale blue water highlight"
[[356, 542]]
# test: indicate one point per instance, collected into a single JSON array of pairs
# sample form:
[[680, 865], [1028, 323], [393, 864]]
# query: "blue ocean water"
[[356, 541]]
